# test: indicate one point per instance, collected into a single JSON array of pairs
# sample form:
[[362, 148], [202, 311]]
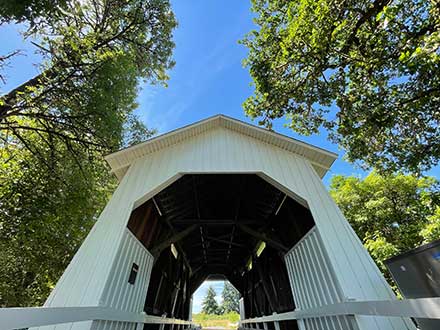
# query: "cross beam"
[[216, 222], [158, 248], [181, 251], [272, 241]]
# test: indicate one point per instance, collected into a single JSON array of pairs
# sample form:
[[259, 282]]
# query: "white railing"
[[19, 318], [27, 317], [428, 308]]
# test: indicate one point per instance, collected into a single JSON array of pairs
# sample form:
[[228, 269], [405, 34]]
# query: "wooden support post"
[[158, 290], [175, 296], [162, 326], [265, 286], [276, 323]]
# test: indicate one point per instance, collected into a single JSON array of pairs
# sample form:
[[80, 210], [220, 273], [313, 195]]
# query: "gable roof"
[[321, 159]]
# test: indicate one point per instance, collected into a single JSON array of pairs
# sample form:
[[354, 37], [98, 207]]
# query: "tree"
[[29, 10], [95, 52], [231, 298], [390, 213], [209, 304], [44, 217], [367, 71], [55, 128]]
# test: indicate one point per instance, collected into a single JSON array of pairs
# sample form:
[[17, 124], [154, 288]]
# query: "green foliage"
[[231, 299], [28, 10], [209, 304], [367, 71], [55, 128], [228, 320], [231, 317], [95, 52], [390, 213], [431, 232], [44, 217]]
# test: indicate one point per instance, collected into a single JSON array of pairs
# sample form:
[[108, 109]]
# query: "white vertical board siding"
[[220, 150], [241, 309], [120, 294], [190, 311], [313, 282]]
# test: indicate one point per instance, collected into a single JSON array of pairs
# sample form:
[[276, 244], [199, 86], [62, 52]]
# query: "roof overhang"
[[320, 159]]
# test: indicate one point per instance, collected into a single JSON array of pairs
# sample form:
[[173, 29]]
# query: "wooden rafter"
[[215, 222], [210, 238], [181, 251], [269, 239], [201, 229], [158, 248]]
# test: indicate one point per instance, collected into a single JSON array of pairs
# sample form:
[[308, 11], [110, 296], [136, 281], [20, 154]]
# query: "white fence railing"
[[19, 318], [426, 308]]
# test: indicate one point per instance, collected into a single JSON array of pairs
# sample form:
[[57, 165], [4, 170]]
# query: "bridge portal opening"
[[230, 226], [225, 312]]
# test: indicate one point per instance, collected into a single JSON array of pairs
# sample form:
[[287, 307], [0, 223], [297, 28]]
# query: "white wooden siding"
[[314, 283], [241, 309], [321, 159], [119, 293], [222, 150]]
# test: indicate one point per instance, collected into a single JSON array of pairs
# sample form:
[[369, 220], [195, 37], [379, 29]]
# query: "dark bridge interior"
[[213, 226]]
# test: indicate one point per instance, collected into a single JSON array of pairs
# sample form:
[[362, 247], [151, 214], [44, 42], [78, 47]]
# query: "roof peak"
[[317, 156]]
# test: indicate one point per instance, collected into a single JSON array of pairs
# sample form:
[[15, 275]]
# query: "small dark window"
[[133, 273]]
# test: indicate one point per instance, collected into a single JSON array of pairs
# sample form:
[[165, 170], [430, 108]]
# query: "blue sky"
[[208, 78]]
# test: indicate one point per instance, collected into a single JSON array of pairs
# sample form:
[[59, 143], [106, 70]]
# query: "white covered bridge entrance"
[[201, 202]]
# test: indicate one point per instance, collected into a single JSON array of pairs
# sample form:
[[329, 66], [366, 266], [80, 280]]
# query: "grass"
[[228, 320]]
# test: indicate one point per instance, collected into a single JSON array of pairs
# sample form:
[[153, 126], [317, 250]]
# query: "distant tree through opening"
[[216, 305]]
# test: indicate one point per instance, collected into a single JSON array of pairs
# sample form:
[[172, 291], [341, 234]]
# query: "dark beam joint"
[[272, 241], [196, 201], [210, 238], [216, 222], [157, 249], [181, 251], [237, 212]]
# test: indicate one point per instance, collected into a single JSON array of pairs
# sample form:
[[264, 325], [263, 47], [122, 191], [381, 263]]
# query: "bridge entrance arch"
[[203, 201], [233, 226]]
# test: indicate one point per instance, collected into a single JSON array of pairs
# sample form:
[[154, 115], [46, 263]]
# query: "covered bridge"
[[220, 199]]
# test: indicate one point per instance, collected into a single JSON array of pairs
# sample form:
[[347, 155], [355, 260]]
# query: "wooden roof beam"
[[216, 222], [210, 238], [181, 251], [158, 248], [270, 240], [196, 201]]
